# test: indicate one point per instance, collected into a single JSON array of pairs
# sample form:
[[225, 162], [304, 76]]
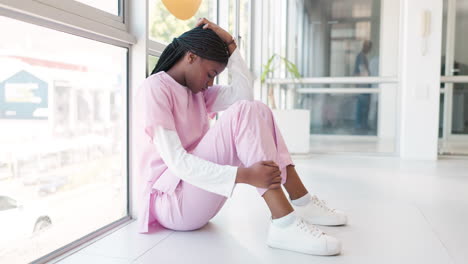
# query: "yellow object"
[[182, 9]]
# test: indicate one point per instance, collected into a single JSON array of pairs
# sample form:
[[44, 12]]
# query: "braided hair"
[[204, 43]]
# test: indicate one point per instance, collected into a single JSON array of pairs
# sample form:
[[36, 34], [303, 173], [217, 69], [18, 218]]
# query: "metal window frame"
[[155, 48], [90, 12], [82, 242], [454, 79], [90, 22]]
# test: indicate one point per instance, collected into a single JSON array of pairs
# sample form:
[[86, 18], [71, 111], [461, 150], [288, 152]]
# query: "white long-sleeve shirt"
[[204, 174]]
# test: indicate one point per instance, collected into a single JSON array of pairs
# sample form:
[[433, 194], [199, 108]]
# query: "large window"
[[63, 141]]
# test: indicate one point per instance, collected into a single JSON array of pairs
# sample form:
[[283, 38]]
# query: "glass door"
[[453, 126]]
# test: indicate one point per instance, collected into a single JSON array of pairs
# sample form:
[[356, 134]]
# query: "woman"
[[189, 169]]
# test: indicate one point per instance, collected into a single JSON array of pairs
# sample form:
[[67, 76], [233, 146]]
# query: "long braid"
[[171, 54], [202, 42]]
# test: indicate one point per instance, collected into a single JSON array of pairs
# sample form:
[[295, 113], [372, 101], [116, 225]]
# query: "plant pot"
[[294, 126]]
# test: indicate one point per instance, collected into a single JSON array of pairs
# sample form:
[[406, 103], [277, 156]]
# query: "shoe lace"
[[322, 204], [308, 228]]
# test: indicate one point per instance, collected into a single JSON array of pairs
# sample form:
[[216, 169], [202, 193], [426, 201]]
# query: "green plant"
[[272, 64]]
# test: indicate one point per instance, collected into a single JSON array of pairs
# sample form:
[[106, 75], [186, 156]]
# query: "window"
[[244, 29], [349, 31], [453, 113], [341, 40], [109, 6], [163, 26], [63, 141], [454, 55], [152, 61]]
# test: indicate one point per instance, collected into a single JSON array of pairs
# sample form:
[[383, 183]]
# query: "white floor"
[[353, 144], [399, 211]]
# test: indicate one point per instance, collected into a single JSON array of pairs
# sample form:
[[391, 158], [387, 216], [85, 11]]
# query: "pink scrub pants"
[[246, 133]]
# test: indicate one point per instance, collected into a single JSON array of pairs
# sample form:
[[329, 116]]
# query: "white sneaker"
[[304, 238], [318, 213]]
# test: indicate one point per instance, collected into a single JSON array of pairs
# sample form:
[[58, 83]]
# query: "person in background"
[[361, 68]]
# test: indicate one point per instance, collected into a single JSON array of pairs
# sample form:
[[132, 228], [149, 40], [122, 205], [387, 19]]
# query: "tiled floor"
[[399, 211]]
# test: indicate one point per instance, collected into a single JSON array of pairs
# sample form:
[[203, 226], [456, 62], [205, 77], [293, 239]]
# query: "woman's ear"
[[191, 57]]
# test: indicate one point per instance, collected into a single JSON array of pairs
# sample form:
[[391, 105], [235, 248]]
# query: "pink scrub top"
[[161, 101]]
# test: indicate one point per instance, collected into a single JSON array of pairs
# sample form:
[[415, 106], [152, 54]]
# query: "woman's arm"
[[206, 175], [223, 34], [241, 87]]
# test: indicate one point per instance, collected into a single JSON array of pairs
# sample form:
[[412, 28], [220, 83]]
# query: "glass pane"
[[441, 115], [455, 146], [342, 114], [460, 109], [461, 39], [244, 30], [459, 55], [460, 67], [232, 14], [152, 61], [456, 56], [110, 6], [340, 38], [163, 26], [227, 18], [336, 119], [63, 139]]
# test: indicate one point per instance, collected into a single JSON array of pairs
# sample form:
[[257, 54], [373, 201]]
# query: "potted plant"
[[293, 123], [269, 69]]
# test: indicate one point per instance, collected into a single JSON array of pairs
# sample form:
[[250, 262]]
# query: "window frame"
[[91, 12], [74, 18]]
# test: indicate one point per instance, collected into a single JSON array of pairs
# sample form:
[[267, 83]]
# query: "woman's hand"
[[223, 34], [263, 174]]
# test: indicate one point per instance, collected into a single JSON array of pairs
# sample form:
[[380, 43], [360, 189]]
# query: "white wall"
[[420, 80]]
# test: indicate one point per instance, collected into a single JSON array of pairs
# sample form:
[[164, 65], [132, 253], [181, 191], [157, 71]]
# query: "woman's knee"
[[250, 105]]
